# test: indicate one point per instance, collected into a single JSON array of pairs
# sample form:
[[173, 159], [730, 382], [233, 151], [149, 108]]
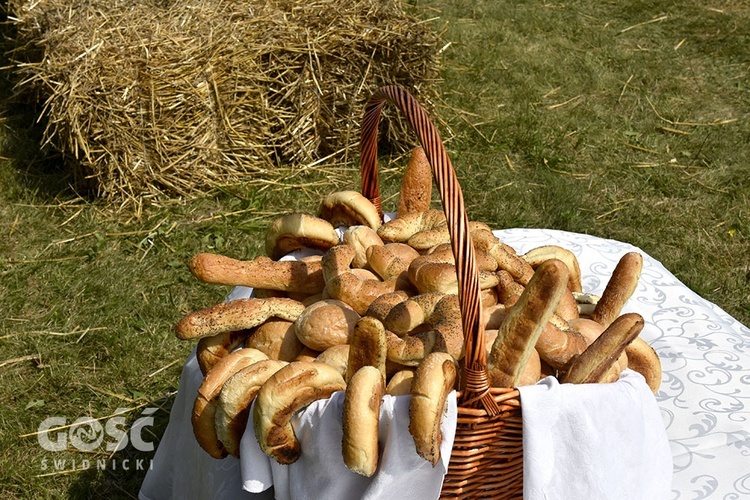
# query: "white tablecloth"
[[704, 399]]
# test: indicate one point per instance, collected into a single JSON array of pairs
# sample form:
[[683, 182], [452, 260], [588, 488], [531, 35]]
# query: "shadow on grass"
[[121, 475], [38, 168]]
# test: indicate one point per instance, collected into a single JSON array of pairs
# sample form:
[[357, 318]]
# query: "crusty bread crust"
[[289, 390], [364, 395]]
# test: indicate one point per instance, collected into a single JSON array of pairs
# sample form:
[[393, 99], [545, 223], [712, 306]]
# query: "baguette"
[[524, 324]]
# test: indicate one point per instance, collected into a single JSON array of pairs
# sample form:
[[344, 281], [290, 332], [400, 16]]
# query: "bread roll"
[[381, 306], [211, 349], [505, 256], [277, 339], [368, 347], [360, 238], [289, 390], [364, 395], [349, 208], [356, 292], [204, 409], [619, 289], [326, 323], [400, 383], [234, 315], [445, 335], [591, 330], [643, 359], [592, 365], [416, 185], [308, 354], [524, 324], [259, 273], [399, 230], [236, 397], [336, 356], [295, 231], [386, 264], [557, 346], [538, 255], [433, 381]]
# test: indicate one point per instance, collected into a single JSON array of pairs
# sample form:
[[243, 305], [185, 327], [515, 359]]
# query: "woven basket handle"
[[475, 382]]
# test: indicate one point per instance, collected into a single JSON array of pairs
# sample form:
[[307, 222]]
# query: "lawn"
[[624, 121]]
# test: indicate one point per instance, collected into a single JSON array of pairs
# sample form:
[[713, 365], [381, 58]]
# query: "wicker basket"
[[487, 455]]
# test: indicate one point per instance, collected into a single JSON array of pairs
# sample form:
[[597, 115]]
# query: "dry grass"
[[155, 99]]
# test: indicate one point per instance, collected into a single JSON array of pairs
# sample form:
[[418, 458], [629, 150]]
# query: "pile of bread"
[[374, 311]]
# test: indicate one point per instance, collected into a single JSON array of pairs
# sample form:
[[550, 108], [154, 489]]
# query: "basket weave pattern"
[[487, 455]]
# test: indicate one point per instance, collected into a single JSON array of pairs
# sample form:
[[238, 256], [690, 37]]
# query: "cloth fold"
[[320, 471], [603, 441]]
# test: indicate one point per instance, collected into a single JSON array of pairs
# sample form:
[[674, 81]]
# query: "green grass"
[[626, 121]]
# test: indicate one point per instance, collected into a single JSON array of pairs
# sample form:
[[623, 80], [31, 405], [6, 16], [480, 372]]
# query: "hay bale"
[[155, 99]]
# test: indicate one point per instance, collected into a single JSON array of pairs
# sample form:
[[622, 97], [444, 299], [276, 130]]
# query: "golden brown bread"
[[356, 292], [434, 379], [368, 347], [296, 231], [386, 263], [444, 334], [412, 312], [593, 364], [336, 356], [381, 306], [439, 235], [436, 273], [204, 408], [259, 273], [360, 238], [364, 395], [533, 370], [400, 383], [403, 251], [211, 349], [343, 284], [349, 208], [402, 228], [505, 256], [234, 315], [538, 255], [325, 323], [524, 323], [507, 288], [643, 359], [235, 398], [416, 185], [277, 338], [619, 289], [203, 420], [591, 330], [308, 354], [287, 391]]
